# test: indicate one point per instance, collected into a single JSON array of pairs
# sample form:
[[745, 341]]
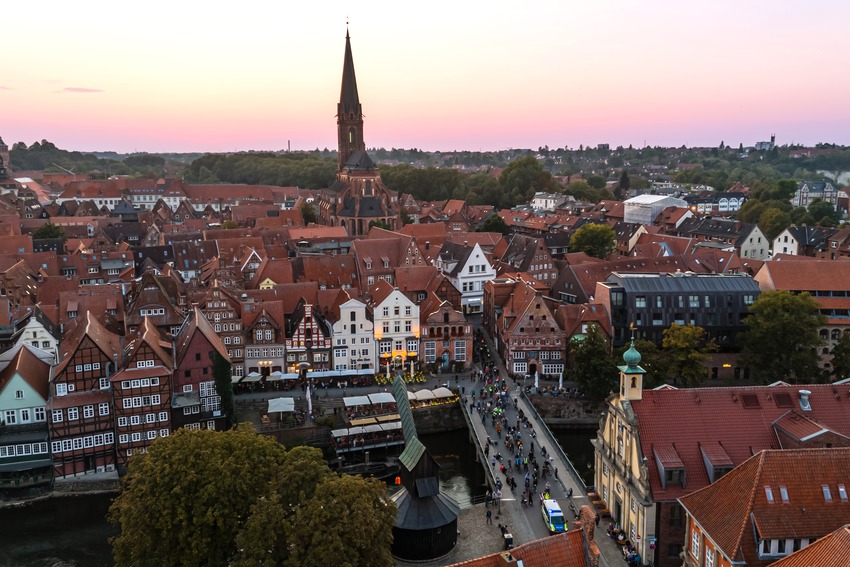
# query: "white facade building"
[[353, 338], [468, 268]]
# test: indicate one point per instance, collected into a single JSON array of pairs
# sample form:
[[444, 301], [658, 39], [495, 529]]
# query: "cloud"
[[79, 90], [2, 88]]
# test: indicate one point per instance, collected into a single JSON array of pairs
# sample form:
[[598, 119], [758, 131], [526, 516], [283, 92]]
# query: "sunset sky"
[[186, 75]]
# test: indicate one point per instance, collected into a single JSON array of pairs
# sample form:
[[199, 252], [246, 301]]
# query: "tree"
[[523, 177], [841, 357], [308, 213], [224, 387], [781, 338], [773, 221], [819, 209], [495, 223], [48, 230], [625, 182], [595, 240], [593, 368], [686, 349], [379, 224], [235, 498]]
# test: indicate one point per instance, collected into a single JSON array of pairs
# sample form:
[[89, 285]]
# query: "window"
[[163, 416], [41, 415], [11, 417], [412, 346], [460, 351], [19, 394], [56, 416], [88, 412], [73, 414], [407, 326], [386, 311], [103, 383], [695, 544], [842, 491], [783, 493], [61, 389], [135, 420], [122, 422], [709, 558], [123, 438], [768, 493], [827, 495], [693, 301], [640, 301], [430, 351]]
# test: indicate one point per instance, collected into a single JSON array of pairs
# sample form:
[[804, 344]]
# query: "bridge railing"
[[544, 429], [489, 473]]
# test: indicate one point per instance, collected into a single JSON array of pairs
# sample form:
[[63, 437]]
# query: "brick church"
[[358, 196]]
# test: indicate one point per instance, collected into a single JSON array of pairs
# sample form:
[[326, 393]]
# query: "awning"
[[410, 396], [339, 432], [440, 393], [235, 379], [391, 426], [363, 421], [356, 401], [355, 430], [274, 376], [422, 395], [281, 405], [252, 377], [385, 418], [374, 428], [381, 398]]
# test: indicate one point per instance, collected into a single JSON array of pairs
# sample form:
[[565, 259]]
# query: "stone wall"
[[436, 419], [565, 412]]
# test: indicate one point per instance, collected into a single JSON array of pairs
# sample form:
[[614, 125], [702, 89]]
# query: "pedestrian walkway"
[[564, 485]]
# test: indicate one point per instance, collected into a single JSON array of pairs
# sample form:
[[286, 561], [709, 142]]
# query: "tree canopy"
[[597, 240], [686, 349], [495, 223], [593, 368], [781, 338], [238, 498], [48, 230]]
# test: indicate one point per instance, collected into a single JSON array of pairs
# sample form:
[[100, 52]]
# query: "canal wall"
[[566, 413]]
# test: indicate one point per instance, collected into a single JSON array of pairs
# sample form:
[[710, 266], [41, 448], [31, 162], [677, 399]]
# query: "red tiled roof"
[[828, 551], [562, 550], [735, 511], [721, 415], [799, 426], [32, 370]]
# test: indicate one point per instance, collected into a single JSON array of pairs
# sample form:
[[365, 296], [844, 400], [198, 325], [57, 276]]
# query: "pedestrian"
[[570, 492], [487, 499], [556, 471], [597, 520], [489, 517]]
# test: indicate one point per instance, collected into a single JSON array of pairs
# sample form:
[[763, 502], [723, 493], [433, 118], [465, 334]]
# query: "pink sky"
[[465, 76]]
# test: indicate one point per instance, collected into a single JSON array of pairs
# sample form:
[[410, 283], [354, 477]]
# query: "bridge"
[[526, 522]]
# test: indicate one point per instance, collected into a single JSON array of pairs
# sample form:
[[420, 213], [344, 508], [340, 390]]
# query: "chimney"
[[427, 245], [804, 400]]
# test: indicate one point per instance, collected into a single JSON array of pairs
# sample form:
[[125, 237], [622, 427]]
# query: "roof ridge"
[[761, 457]]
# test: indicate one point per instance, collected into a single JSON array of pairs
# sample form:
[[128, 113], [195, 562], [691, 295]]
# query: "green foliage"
[[264, 168], [625, 182], [229, 225], [593, 368], [145, 161], [45, 156], [781, 338], [48, 230], [308, 213], [224, 388], [841, 357], [685, 350], [596, 181], [821, 209], [495, 223], [773, 221], [525, 176], [237, 498], [597, 240]]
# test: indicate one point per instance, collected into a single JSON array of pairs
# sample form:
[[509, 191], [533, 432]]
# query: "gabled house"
[[396, 327], [195, 402], [308, 339], [264, 325], [149, 299], [773, 504], [142, 392], [42, 333], [468, 269], [525, 254], [223, 309], [25, 459], [353, 335], [522, 323], [802, 241], [446, 335], [82, 425]]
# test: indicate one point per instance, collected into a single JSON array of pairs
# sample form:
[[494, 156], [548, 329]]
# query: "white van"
[[553, 517]]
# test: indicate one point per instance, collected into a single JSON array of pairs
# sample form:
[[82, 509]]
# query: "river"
[[71, 531]]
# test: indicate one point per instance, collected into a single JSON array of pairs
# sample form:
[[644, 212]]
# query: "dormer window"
[[827, 494], [768, 493]]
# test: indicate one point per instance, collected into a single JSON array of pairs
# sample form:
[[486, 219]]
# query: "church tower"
[[631, 374], [5, 165], [358, 199], [349, 113]]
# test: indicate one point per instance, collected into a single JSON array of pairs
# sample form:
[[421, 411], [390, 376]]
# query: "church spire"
[[349, 116]]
